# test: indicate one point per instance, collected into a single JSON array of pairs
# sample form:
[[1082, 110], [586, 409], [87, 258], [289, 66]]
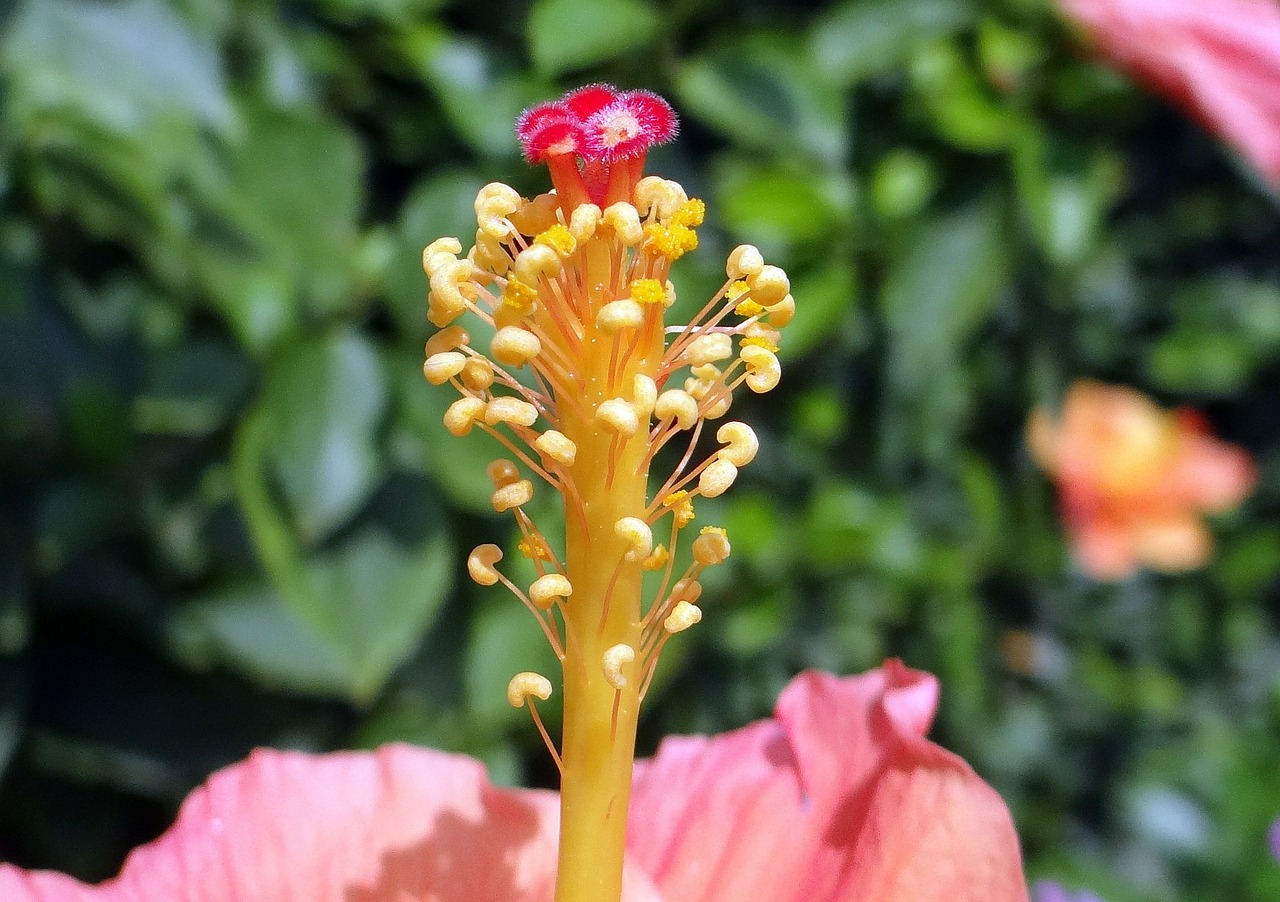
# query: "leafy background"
[[230, 516]]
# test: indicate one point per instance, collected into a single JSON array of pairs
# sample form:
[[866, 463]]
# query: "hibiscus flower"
[[838, 797]]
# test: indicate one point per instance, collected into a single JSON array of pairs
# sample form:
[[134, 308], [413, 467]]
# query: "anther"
[[438, 252], [517, 494], [462, 415], [638, 536], [657, 559], [618, 417], [494, 203], [678, 405], [535, 262], [716, 478], [525, 685], [782, 312], [711, 546], [655, 195], [514, 346], [740, 443], [477, 374], [546, 589], [744, 260], [557, 446], [649, 291], [763, 369], [683, 616], [625, 222], [618, 315], [769, 286], [583, 221], [446, 340], [709, 348], [644, 395], [510, 410], [480, 564], [445, 300], [440, 368], [614, 659], [559, 239], [502, 472]]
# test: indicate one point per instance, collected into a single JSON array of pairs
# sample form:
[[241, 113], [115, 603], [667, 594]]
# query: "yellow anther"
[[711, 546], [769, 286], [748, 307], [710, 347], [782, 312], [542, 551], [537, 215], [681, 505], [618, 315], [740, 443], [526, 684], [559, 239], [623, 219], [638, 536], [584, 221], [675, 498], [678, 405], [671, 241], [682, 616], [644, 395], [446, 302], [477, 374], [736, 290], [480, 564], [716, 478], [440, 368], [513, 411], [490, 254], [744, 260], [514, 346], [546, 589], [536, 262], [446, 340], [648, 291], [517, 494], [462, 415], [657, 559], [519, 296], [440, 251], [618, 417], [691, 213], [494, 203], [614, 659], [557, 446], [502, 472], [766, 340], [763, 369]]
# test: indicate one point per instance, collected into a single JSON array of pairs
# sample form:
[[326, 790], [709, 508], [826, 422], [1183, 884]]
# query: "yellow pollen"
[[559, 239], [737, 290], [756, 341], [657, 560], [648, 291], [671, 242], [681, 507], [748, 308], [519, 296], [690, 213], [544, 554]]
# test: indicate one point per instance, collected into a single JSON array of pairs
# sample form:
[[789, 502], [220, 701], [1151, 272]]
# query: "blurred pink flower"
[[838, 797], [1218, 59]]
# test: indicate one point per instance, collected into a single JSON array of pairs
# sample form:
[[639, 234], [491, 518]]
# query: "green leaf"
[[858, 39], [565, 35], [763, 92], [826, 301], [322, 403], [779, 208], [1203, 363]]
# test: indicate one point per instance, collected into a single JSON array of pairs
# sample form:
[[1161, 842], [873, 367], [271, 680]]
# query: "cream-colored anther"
[[514, 346], [557, 446], [440, 368], [686, 589], [678, 405], [740, 443], [717, 407], [462, 415], [618, 416], [517, 494], [711, 547], [583, 221], [769, 286], [526, 684], [763, 369], [546, 589], [716, 478], [490, 254], [618, 315], [625, 222], [446, 299], [656, 196], [536, 261], [682, 616], [644, 395], [536, 216], [440, 251], [477, 374], [638, 536], [613, 660], [706, 372], [502, 472], [494, 203], [745, 260], [758, 332], [480, 564], [710, 347], [513, 411], [781, 313], [446, 340]]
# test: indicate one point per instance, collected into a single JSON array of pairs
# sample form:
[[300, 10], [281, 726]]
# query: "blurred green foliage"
[[230, 516]]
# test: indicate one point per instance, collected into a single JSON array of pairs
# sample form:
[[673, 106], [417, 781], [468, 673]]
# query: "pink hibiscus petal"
[[840, 797], [398, 824]]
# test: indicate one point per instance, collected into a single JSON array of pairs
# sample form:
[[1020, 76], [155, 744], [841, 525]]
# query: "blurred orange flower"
[[1134, 479], [1218, 59]]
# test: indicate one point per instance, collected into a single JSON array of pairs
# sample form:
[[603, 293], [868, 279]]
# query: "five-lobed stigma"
[[584, 383]]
